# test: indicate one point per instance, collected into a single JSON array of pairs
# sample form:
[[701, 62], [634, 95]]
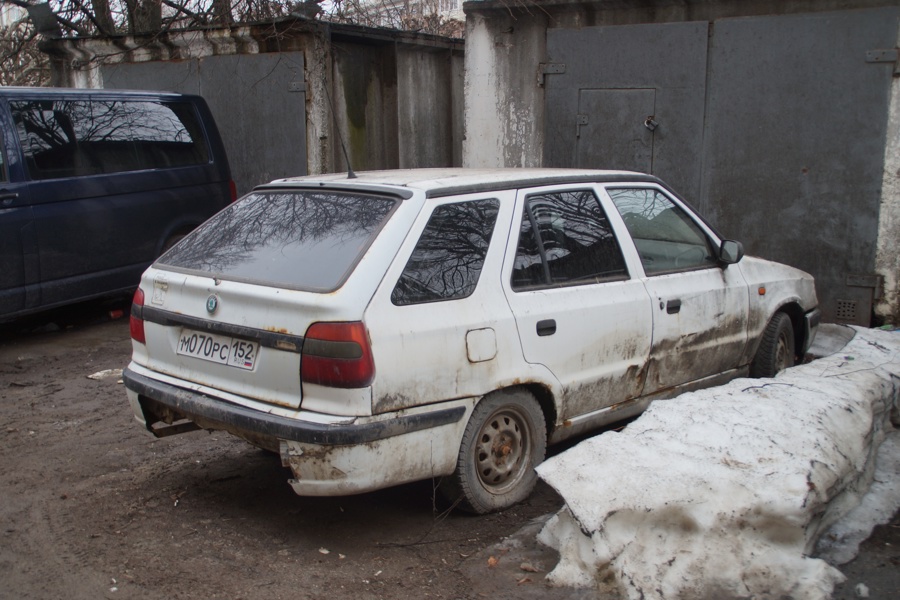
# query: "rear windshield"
[[300, 240], [75, 138]]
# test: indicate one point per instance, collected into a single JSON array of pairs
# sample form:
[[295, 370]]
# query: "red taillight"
[[233, 189], [337, 355], [136, 323]]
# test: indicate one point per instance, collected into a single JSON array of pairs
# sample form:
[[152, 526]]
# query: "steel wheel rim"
[[503, 450], [781, 353]]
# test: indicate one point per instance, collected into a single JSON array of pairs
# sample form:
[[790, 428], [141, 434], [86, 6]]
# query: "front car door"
[[579, 309], [699, 306]]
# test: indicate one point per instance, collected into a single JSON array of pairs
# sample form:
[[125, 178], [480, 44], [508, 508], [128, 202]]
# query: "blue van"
[[95, 184]]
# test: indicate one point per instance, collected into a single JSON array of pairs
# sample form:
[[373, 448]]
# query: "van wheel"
[[504, 440], [776, 349]]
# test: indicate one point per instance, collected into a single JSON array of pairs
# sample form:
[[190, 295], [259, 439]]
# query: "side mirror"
[[731, 252]]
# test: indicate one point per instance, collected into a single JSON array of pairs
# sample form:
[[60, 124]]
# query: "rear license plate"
[[218, 349]]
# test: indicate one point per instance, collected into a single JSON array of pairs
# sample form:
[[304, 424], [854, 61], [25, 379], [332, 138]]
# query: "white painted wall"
[[504, 103], [887, 257]]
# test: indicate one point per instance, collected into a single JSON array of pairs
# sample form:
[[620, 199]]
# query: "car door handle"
[[673, 306], [8, 197], [546, 327]]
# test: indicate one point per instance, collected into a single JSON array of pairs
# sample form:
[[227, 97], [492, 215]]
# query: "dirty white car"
[[449, 324]]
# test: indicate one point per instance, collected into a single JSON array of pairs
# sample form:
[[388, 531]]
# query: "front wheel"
[[776, 349], [504, 440]]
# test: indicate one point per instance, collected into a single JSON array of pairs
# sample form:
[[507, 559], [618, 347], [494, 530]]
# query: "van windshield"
[[305, 240]]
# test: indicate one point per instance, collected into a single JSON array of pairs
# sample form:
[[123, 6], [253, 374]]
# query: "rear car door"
[[699, 307], [578, 309]]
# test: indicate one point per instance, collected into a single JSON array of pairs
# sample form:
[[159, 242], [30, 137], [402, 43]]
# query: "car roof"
[[446, 182]]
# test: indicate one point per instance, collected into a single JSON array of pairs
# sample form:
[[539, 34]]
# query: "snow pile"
[[723, 493], [840, 544]]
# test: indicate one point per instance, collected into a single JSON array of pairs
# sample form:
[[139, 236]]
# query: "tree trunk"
[[144, 16], [103, 16], [222, 12]]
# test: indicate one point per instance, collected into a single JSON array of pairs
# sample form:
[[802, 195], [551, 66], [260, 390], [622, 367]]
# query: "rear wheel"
[[776, 349], [504, 440]]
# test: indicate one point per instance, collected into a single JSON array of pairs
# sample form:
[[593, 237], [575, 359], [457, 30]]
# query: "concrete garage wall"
[[504, 101], [422, 126], [397, 106], [278, 89], [887, 260], [365, 94], [791, 146]]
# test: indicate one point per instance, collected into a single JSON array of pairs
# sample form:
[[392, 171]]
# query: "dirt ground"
[[92, 506]]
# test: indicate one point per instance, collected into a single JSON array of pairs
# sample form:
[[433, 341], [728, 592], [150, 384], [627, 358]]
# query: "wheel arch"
[[795, 313], [545, 399]]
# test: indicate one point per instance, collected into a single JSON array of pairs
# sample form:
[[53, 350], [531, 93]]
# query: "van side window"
[[666, 238], [69, 138], [566, 239], [447, 260]]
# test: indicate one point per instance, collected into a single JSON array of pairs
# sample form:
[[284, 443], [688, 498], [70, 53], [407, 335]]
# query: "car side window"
[[667, 239], [447, 260], [565, 239]]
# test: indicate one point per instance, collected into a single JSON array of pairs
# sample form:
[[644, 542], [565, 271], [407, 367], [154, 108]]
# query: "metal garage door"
[[613, 79]]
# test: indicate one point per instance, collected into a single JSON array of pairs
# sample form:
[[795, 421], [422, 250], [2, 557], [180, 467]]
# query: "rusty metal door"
[[615, 128], [794, 150], [773, 126], [602, 84]]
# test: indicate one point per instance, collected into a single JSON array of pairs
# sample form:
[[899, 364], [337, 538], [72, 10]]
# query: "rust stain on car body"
[[391, 402], [274, 329]]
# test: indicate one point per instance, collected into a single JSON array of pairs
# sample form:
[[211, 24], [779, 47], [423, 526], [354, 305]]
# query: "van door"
[[578, 310], [18, 250]]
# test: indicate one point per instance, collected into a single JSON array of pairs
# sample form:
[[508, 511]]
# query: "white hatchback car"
[[449, 324]]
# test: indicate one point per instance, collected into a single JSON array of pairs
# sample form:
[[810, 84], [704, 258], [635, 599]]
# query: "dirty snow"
[[105, 374], [725, 492], [840, 544]]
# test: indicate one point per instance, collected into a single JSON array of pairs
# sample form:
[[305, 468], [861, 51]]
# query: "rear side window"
[[566, 239], [447, 260], [70, 138], [291, 239]]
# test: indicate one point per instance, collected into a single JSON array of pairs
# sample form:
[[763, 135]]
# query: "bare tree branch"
[[22, 63]]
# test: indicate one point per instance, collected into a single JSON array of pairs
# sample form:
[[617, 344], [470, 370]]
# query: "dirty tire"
[[776, 349], [504, 440]]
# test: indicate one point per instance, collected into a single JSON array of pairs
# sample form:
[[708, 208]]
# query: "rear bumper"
[[214, 413], [367, 454]]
